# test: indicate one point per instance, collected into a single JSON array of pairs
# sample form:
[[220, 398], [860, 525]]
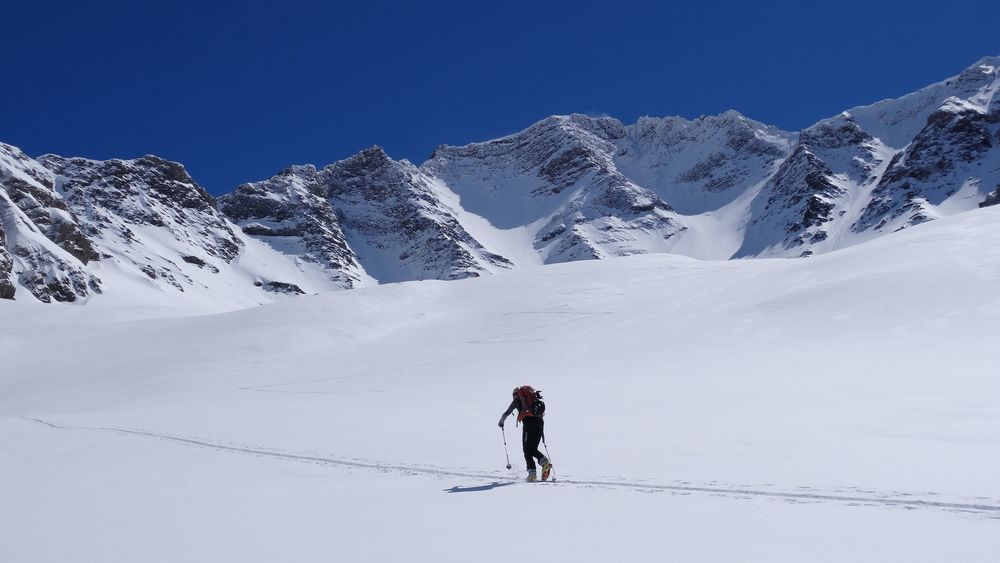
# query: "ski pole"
[[547, 456], [507, 455]]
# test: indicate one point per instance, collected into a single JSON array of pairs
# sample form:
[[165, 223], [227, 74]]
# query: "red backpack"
[[531, 402]]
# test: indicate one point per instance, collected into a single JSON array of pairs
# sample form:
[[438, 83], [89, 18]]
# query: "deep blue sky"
[[238, 91]]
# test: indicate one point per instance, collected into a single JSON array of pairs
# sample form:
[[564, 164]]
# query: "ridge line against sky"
[[237, 91]]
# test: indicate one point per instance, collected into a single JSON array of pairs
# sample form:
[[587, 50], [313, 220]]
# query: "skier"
[[530, 410]]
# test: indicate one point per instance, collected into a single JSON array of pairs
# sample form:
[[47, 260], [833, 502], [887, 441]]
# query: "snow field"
[[834, 408]]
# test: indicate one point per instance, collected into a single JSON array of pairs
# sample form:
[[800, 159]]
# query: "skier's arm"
[[510, 409]]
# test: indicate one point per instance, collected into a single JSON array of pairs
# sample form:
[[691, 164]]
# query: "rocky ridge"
[[559, 177], [567, 188], [45, 249], [292, 210], [399, 223]]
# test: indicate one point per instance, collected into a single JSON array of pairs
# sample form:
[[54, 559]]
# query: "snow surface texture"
[[840, 408], [567, 188]]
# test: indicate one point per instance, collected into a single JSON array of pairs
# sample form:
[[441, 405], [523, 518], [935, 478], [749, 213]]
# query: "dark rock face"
[[992, 199], [806, 179], [293, 207], [958, 145], [804, 201], [7, 289], [798, 201], [147, 191], [391, 210], [834, 134], [52, 216], [280, 287], [66, 284], [46, 249], [200, 263], [566, 168], [30, 188]]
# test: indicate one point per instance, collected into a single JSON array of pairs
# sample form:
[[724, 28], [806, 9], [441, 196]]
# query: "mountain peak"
[[986, 65], [299, 171], [371, 158], [733, 114]]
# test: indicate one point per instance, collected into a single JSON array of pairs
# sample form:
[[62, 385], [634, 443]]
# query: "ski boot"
[[546, 469], [532, 477]]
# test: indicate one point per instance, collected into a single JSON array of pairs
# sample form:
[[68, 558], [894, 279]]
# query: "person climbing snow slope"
[[531, 410]]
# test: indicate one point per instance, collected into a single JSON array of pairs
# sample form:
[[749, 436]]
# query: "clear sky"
[[239, 90]]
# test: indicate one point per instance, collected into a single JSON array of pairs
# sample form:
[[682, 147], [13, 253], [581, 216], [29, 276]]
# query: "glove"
[[500, 424]]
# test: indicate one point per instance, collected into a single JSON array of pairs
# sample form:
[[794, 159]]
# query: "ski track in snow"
[[849, 496]]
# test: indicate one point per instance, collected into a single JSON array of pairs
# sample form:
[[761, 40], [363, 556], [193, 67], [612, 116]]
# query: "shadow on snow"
[[479, 489]]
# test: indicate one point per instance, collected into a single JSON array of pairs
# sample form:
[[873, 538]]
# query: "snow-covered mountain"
[[948, 167], [138, 230], [399, 222], [366, 217], [832, 167], [291, 212], [879, 168], [567, 188], [45, 249], [702, 165], [557, 181]]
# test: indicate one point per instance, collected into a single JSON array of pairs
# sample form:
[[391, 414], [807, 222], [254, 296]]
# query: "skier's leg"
[[525, 444], [532, 437], [538, 453]]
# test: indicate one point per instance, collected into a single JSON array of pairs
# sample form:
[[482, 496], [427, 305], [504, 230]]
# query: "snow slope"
[[836, 408]]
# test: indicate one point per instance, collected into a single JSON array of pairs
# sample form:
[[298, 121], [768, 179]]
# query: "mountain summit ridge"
[[568, 187]]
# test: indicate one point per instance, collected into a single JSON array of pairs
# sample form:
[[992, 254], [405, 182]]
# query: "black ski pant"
[[531, 434]]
